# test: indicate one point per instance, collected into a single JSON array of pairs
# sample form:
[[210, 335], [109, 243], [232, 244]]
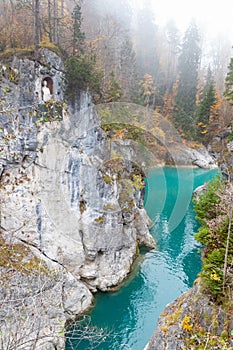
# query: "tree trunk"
[[37, 28], [62, 9], [55, 22], [50, 21], [227, 243]]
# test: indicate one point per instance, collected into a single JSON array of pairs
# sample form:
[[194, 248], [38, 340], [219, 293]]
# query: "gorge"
[[72, 216]]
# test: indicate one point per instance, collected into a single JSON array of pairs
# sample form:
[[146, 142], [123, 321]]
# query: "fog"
[[213, 21], [215, 18]]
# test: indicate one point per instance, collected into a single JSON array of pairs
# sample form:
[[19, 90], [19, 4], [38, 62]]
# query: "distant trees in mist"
[[128, 51]]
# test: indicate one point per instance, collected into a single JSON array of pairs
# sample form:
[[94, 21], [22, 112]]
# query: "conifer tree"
[[128, 71], [208, 100], [185, 100], [78, 34], [204, 113], [146, 49], [229, 83], [173, 40]]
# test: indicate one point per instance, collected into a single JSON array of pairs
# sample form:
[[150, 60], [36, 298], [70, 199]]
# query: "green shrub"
[[80, 75], [212, 271], [206, 205], [203, 235], [212, 210]]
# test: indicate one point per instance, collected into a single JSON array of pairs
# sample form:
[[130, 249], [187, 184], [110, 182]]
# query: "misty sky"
[[213, 17]]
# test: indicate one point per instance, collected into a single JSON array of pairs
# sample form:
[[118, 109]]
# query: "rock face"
[[192, 322], [71, 216], [199, 157], [222, 147]]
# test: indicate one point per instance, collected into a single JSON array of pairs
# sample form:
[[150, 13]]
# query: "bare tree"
[[230, 212], [37, 28], [33, 308]]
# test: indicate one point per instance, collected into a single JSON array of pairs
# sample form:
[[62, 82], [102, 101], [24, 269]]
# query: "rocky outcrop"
[[191, 322], [72, 218], [198, 157], [221, 146]]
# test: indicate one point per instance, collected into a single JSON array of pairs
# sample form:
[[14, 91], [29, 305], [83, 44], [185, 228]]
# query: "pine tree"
[[173, 40], [128, 71], [78, 34], [185, 100], [208, 100], [207, 111], [204, 112], [37, 28], [80, 75], [114, 90], [145, 47], [229, 83]]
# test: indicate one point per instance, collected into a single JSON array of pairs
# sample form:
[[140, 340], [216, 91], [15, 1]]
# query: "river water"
[[130, 314]]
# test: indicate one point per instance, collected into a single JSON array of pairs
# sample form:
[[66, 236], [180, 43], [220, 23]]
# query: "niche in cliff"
[[49, 77]]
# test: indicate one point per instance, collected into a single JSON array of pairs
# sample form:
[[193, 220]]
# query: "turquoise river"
[[130, 314]]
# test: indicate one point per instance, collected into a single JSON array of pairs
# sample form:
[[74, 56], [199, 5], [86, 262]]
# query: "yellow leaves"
[[218, 104], [186, 325], [148, 79], [138, 182], [119, 134], [147, 92], [97, 40], [203, 126], [148, 87], [215, 277]]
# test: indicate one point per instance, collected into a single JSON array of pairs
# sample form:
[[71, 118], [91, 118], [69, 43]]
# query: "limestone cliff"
[[72, 218]]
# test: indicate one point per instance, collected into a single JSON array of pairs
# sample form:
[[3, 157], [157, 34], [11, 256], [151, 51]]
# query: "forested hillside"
[[122, 54]]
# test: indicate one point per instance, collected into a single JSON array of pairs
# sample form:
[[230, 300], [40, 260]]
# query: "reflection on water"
[[165, 273]]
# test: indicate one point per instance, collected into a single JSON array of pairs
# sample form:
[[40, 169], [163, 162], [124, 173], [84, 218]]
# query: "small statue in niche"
[[46, 94]]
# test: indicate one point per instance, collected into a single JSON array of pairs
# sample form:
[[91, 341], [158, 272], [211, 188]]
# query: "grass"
[[18, 257], [28, 52]]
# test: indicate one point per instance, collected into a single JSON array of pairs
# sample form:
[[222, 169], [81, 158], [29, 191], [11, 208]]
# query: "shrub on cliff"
[[214, 212], [81, 75]]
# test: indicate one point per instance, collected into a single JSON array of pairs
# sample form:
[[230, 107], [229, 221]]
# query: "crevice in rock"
[[41, 252]]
